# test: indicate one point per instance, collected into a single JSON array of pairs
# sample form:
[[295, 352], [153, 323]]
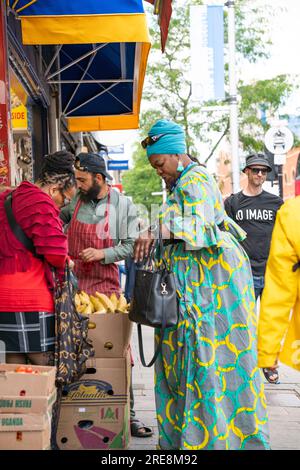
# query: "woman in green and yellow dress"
[[209, 391]]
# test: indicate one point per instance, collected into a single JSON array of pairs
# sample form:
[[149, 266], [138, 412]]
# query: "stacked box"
[[110, 333], [26, 402], [95, 410]]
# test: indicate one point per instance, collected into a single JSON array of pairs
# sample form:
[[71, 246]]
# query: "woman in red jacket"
[[27, 329]]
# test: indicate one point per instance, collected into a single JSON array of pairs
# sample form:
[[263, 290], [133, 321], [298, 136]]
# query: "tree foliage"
[[259, 100], [142, 181], [167, 91], [252, 39]]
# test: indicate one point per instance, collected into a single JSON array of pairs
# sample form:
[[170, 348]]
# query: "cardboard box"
[[25, 440], [105, 380], [27, 404], [24, 422], [93, 427], [110, 333], [21, 384]]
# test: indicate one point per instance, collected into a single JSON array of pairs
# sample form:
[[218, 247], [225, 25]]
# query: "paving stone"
[[276, 411], [282, 386], [293, 414], [289, 435], [283, 398], [144, 406]]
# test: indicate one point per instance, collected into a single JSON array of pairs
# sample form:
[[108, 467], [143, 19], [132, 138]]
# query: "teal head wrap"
[[172, 141]]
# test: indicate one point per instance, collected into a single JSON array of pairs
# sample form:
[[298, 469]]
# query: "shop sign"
[[19, 117], [117, 165]]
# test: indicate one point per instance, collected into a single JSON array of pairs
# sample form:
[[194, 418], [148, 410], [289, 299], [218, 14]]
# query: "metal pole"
[[53, 131], [280, 180], [164, 191], [234, 133]]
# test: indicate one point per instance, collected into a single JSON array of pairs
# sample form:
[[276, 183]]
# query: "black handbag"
[[154, 301]]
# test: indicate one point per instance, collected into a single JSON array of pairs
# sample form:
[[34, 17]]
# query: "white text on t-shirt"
[[255, 214]]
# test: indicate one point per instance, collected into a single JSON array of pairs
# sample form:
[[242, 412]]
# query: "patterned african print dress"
[[209, 390]]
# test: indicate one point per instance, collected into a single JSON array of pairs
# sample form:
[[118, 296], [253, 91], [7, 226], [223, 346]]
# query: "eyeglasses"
[[150, 140], [256, 171]]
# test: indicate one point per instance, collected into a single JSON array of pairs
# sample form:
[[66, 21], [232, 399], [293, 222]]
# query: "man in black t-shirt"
[[255, 210]]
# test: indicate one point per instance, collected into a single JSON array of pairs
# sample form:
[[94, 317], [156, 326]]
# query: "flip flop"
[[268, 374], [136, 427]]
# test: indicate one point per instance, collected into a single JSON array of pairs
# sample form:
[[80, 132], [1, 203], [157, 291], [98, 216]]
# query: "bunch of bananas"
[[100, 303]]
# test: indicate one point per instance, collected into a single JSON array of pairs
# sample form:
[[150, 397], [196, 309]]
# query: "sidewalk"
[[283, 401]]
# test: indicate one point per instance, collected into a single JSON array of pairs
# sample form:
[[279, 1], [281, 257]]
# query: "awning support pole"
[[91, 99], [74, 62], [58, 48], [83, 75]]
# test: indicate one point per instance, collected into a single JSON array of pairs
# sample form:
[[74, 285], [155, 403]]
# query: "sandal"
[[138, 429], [268, 373]]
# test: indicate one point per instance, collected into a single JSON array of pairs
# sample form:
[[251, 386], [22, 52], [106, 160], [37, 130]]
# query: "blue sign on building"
[[117, 165]]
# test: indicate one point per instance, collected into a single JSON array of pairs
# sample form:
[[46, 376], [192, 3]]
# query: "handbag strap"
[[158, 348], [15, 227], [157, 247]]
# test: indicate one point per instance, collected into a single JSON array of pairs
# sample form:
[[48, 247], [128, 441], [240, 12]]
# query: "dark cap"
[[93, 163], [257, 159]]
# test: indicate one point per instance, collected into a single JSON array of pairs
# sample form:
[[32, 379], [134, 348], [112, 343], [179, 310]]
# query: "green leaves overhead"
[[167, 92]]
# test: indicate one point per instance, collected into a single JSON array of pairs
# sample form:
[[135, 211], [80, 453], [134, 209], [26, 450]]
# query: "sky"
[[284, 51], [284, 33]]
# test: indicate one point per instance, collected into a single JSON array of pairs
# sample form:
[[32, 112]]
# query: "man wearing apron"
[[101, 231]]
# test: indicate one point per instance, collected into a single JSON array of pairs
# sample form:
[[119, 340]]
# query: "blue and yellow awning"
[[81, 21], [100, 59]]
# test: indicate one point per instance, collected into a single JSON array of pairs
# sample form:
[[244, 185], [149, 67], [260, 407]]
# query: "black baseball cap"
[[93, 163], [257, 159]]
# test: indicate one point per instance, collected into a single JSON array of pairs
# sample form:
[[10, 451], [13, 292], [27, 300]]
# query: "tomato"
[[29, 370], [20, 369]]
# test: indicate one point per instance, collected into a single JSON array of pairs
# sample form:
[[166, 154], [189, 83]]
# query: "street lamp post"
[[234, 134], [162, 193]]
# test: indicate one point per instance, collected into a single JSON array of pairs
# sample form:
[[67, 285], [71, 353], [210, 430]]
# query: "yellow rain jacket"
[[279, 319]]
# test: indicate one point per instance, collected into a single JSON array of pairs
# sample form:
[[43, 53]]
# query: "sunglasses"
[[150, 140], [256, 171]]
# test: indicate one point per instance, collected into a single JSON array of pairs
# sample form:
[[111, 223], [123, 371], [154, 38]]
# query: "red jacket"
[[24, 279]]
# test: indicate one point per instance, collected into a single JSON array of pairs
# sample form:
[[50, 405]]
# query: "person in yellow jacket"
[[279, 319]]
